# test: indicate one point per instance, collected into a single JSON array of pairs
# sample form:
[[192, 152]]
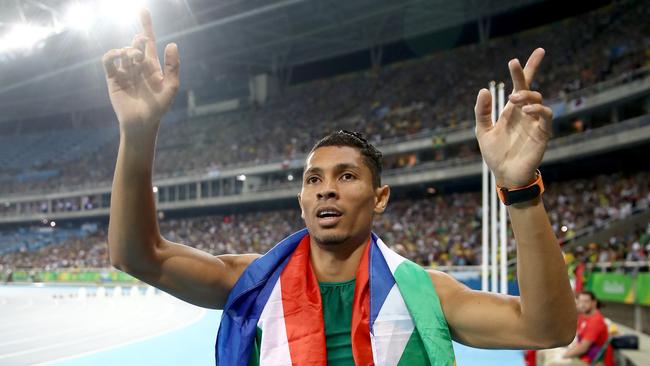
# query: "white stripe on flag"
[[392, 330], [274, 348], [392, 259]]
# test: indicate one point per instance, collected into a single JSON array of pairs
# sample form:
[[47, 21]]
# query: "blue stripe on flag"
[[264, 266], [381, 281], [247, 300]]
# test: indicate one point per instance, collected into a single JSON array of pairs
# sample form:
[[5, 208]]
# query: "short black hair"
[[371, 156], [592, 296], [589, 293]]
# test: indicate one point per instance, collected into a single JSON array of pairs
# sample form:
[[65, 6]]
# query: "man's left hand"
[[513, 148]]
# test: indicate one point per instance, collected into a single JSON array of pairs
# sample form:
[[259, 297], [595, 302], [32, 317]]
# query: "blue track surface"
[[194, 346], [191, 346]]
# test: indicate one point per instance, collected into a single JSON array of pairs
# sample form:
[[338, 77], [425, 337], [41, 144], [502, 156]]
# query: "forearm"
[[577, 350], [133, 228], [547, 302]]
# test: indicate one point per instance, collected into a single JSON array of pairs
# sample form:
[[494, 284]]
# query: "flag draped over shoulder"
[[396, 311]]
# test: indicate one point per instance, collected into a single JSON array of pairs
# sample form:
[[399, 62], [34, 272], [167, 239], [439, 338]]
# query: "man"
[[591, 336], [278, 308]]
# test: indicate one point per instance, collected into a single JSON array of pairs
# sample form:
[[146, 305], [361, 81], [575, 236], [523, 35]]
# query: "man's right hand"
[[139, 90]]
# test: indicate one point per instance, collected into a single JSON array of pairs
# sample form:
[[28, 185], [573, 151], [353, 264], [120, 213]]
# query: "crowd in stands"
[[632, 246], [437, 230], [431, 94]]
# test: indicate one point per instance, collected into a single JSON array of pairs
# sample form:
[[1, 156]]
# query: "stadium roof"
[[215, 39]]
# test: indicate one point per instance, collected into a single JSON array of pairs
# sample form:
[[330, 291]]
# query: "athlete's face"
[[585, 304], [337, 198]]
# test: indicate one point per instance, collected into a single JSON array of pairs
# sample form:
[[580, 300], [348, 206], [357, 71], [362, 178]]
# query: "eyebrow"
[[337, 167]]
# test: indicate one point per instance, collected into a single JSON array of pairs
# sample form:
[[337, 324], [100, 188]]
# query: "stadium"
[[260, 82]]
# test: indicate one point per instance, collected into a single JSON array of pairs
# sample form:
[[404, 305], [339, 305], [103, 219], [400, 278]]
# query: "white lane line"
[[60, 344], [29, 304], [88, 317], [85, 339], [41, 310], [192, 321], [40, 316]]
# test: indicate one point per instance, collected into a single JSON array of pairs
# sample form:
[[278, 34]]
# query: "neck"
[[336, 265]]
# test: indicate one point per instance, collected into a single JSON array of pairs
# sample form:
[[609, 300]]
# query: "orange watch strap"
[[502, 192]]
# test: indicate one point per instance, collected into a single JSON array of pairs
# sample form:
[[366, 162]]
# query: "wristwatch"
[[517, 195]]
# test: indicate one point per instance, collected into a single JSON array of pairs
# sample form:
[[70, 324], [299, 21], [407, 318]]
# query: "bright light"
[[24, 36], [79, 16], [241, 177], [564, 229], [44, 221], [52, 224], [121, 11], [155, 189], [290, 177]]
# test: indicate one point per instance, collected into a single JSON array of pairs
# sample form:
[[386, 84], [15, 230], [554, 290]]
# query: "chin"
[[330, 239]]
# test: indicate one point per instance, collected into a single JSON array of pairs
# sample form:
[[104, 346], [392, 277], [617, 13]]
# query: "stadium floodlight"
[[23, 36], [79, 16], [123, 12], [241, 177]]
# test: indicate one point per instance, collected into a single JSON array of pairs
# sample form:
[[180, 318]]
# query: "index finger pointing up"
[[517, 75], [147, 29], [533, 63]]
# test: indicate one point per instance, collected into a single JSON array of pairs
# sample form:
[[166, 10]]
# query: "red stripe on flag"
[[361, 347], [303, 309]]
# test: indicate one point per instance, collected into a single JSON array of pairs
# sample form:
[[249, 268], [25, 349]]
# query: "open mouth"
[[328, 216]]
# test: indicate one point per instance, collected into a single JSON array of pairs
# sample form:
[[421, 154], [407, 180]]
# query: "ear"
[[302, 212], [381, 198]]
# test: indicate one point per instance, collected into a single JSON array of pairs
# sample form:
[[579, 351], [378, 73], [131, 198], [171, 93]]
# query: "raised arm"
[[544, 315], [141, 92]]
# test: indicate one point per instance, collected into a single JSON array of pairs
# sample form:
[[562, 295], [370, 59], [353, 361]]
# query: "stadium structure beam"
[[313, 30], [166, 38]]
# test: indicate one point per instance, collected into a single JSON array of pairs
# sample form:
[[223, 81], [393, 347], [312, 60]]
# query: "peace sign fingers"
[[522, 78], [532, 64]]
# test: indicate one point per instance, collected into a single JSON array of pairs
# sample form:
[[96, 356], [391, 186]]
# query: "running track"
[[57, 325]]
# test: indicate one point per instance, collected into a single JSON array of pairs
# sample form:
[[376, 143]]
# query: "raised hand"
[[139, 90], [514, 147]]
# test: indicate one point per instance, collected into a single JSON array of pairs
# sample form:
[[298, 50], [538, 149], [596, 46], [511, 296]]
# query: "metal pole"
[[484, 229], [502, 218], [493, 206]]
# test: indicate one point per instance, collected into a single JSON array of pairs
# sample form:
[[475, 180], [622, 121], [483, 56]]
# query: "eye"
[[311, 180], [347, 176]]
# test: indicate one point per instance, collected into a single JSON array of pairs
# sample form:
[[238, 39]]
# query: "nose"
[[328, 191]]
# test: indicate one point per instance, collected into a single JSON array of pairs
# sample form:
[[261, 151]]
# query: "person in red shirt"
[[591, 336], [592, 332]]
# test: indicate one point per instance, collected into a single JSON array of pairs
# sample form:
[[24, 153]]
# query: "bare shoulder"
[[237, 263], [446, 286], [239, 260]]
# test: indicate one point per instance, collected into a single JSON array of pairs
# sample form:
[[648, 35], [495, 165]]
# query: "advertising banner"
[[643, 289], [612, 287]]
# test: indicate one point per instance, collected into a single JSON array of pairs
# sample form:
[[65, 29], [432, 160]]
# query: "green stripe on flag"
[[423, 304], [414, 352], [254, 360]]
